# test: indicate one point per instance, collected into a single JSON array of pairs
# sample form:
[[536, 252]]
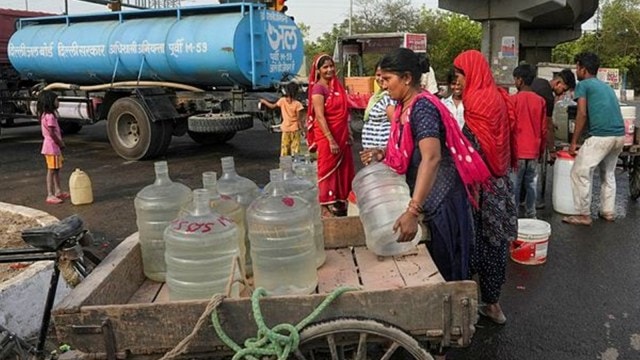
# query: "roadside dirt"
[[11, 226]]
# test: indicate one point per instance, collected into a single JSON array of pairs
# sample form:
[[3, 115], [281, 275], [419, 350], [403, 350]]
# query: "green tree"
[[452, 34], [448, 33], [617, 42]]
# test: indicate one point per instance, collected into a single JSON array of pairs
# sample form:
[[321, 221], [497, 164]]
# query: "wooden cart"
[[403, 303]]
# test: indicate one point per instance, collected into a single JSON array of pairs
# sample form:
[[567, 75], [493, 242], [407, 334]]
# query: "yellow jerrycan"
[[80, 188]]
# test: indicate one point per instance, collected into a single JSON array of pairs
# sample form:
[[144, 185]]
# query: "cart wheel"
[[634, 178], [357, 339]]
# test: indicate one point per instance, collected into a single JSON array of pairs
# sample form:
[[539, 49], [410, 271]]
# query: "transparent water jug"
[[201, 252], [282, 247], [306, 169], [383, 196], [307, 190], [240, 189], [156, 206], [225, 205], [561, 118]]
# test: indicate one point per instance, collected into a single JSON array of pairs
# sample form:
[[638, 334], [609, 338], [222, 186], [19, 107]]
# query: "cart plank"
[[113, 281], [377, 272], [338, 270], [147, 293], [163, 295], [418, 268]]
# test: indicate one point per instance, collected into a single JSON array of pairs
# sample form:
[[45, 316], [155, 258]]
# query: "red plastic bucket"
[[533, 241]]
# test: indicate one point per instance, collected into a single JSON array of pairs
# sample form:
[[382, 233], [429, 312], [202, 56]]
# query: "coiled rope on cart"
[[278, 341]]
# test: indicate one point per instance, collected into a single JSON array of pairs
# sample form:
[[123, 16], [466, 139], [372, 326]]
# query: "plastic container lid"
[[533, 230], [563, 154]]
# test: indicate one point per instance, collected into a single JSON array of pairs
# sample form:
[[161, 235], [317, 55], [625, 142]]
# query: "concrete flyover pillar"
[[536, 26], [500, 43]]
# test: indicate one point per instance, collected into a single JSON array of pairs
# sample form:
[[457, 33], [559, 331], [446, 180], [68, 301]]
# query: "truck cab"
[[354, 52]]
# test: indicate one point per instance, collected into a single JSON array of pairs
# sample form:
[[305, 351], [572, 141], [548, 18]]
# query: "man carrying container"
[[598, 113]]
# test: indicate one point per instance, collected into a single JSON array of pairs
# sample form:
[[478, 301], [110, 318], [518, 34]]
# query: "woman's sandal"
[[497, 318], [53, 200], [576, 220]]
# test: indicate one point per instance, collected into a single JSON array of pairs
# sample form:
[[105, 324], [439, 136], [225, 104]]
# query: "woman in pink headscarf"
[[489, 124], [329, 134]]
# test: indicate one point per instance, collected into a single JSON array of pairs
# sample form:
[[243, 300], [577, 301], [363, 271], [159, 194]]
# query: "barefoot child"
[[291, 110], [52, 145]]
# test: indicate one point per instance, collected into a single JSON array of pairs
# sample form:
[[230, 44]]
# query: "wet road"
[[584, 303]]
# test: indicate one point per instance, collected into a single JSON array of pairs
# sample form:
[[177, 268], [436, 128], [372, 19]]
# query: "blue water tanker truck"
[[155, 74]]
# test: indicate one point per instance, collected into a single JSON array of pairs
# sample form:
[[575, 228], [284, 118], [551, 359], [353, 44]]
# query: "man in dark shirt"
[[562, 82]]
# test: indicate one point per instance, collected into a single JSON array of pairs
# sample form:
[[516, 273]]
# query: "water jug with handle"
[[383, 195], [156, 206], [240, 189], [282, 248], [301, 187], [225, 205], [80, 188], [202, 252]]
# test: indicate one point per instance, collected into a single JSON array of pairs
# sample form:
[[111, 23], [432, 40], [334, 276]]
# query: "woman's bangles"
[[414, 208]]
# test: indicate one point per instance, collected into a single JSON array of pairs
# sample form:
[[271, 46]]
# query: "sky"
[[320, 15]]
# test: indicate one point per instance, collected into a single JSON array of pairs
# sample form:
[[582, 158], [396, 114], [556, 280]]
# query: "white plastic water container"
[[307, 190], [562, 188], [156, 206], [283, 250], [80, 188], [243, 191], [382, 196], [225, 205], [202, 251], [629, 117]]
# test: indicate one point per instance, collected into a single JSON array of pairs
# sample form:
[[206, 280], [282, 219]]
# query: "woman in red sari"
[[328, 132], [489, 125]]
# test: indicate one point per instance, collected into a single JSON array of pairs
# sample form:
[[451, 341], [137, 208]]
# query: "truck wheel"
[[220, 123], [70, 127], [131, 132], [211, 138]]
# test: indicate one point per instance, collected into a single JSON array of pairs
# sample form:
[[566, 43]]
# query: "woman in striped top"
[[375, 131]]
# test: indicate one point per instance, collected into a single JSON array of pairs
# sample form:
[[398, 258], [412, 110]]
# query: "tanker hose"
[[122, 84]]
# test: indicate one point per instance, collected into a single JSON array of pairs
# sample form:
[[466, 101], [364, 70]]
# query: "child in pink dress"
[[52, 145]]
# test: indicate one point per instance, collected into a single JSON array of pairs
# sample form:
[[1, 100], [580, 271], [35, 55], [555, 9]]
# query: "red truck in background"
[[11, 83], [349, 53]]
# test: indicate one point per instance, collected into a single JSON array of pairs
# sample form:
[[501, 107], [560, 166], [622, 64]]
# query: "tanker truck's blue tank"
[[221, 45]]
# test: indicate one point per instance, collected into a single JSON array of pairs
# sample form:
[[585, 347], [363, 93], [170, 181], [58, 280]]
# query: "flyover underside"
[[534, 26]]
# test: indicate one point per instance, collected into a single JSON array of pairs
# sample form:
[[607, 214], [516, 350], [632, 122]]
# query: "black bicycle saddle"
[[51, 237]]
